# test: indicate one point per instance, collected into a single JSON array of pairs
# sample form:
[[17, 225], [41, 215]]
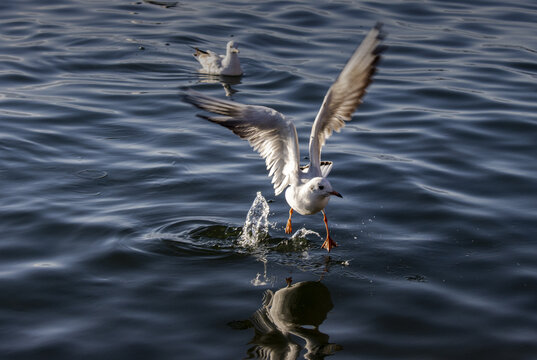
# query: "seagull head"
[[321, 187], [231, 47]]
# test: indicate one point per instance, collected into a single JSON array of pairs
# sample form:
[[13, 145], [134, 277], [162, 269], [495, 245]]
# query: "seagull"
[[274, 137], [215, 64]]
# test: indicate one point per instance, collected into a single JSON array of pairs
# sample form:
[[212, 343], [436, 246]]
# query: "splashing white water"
[[261, 280], [255, 227], [302, 233]]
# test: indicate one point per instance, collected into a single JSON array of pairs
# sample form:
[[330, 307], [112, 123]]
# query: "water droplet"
[[255, 227]]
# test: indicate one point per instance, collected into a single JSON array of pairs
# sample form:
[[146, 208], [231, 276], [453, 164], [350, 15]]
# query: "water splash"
[[300, 241], [261, 279], [256, 226], [303, 233]]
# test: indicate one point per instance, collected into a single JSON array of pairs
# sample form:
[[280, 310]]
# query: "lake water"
[[121, 212]]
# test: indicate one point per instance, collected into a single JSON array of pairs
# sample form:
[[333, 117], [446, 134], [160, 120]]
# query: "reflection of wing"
[[267, 131], [345, 95]]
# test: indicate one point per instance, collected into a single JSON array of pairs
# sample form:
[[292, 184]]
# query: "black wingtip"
[[380, 49], [198, 51], [379, 27]]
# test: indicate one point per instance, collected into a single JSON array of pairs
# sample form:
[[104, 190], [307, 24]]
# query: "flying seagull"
[[274, 136]]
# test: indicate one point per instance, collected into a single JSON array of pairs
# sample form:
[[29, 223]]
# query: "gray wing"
[[268, 132], [345, 94]]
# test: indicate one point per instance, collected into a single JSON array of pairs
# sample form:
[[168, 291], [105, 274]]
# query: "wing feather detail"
[[268, 132], [346, 94]]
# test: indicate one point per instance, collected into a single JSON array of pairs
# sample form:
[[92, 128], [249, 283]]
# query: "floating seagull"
[[215, 64], [275, 137]]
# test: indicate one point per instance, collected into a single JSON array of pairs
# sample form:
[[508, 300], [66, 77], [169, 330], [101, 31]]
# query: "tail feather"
[[199, 52]]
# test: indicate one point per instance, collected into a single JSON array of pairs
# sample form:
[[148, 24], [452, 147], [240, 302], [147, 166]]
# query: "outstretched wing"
[[345, 94], [268, 132]]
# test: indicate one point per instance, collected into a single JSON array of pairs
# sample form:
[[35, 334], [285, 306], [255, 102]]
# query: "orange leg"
[[328, 243], [289, 228]]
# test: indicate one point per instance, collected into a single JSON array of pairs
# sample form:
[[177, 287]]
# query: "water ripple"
[[122, 211]]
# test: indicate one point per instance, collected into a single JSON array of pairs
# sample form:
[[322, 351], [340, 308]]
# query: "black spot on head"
[[321, 187]]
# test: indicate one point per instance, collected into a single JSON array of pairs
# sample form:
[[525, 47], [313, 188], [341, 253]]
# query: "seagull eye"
[[321, 187]]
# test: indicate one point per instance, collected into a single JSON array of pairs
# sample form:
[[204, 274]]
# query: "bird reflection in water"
[[226, 81], [288, 315]]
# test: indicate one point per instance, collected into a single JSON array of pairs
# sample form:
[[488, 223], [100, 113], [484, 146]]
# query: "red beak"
[[335, 193]]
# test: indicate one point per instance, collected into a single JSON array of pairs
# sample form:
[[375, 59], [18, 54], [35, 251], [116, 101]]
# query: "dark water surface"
[[121, 212]]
